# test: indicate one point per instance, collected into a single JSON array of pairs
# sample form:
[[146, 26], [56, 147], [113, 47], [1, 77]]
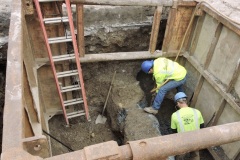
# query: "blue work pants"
[[165, 88]]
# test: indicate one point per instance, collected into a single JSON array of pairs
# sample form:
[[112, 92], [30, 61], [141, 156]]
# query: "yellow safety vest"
[[164, 68]]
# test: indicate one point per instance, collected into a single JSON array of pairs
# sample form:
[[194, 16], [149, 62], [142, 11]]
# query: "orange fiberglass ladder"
[[69, 73]]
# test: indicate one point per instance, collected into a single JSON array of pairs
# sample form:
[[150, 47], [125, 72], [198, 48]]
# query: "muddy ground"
[[130, 86]]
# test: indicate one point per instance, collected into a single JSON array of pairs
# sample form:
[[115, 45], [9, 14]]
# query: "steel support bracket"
[[37, 146]]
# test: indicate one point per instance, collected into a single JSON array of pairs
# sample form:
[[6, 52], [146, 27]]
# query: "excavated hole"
[[97, 78], [126, 121]]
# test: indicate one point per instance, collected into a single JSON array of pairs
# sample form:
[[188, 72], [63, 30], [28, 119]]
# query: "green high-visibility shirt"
[[164, 68], [190, 119]]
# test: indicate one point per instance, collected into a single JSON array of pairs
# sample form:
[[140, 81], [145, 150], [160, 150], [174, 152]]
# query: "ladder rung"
[[70, 88], [67, 73], [63, 57], [60, 39], [55, 20], [50, 0], [75, 114], [73, 101]]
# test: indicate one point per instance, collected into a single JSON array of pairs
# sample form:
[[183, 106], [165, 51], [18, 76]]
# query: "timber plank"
[[176, 27], [80, 30], [155, 29]]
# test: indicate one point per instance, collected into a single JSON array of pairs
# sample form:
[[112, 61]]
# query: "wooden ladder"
[[74, 73]]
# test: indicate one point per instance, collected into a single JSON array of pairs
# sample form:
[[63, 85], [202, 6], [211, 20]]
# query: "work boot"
[[151, 110]]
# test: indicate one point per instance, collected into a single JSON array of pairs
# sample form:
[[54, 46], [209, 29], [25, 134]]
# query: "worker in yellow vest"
[[164, 69], [184, 120]]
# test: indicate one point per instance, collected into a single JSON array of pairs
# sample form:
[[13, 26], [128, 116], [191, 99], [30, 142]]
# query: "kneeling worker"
[[186, 119], [164, 69]]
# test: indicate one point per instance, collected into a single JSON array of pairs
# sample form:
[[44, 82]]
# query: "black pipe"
[[70, 149]]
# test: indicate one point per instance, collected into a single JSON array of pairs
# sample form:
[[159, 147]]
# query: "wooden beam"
[[234, 77], [213, 45], [197, 91], [212, 80], [177, 25], [194, 25], [168, 32], [80, 30], [197, 33], [218, 113], [155, 29]]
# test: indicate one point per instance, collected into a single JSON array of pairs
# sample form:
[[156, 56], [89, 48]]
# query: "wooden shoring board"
[[218, 112], [223, 101], [234, 27], [197, 90], [177, 24], [33, 112], [196, 35], [80, 30], [192, 34], [155, 29], [213, 45], [208, 58], [211, 80], [37, 40], [234, 77]]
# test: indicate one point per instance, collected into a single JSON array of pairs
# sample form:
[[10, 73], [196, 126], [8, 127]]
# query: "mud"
[[126, 120]]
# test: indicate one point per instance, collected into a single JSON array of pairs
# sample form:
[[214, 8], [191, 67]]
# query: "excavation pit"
[[205, 41]]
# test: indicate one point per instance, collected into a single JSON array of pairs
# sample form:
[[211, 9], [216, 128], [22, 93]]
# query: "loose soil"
[[133, 124]]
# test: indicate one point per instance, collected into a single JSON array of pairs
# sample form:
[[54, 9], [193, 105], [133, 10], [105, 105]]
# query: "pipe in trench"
[[160, 147]]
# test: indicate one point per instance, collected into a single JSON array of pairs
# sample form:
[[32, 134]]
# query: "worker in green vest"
[[163, 70], [184, 120]]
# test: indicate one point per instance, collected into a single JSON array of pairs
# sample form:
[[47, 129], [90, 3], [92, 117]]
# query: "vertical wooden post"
[[155, 29], [218, 113], [234, 77], [80, 30], [196, 34], [213, 45], [169, 29], [197, 90]]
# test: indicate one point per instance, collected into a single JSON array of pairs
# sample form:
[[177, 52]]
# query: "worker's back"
[[186, 119]]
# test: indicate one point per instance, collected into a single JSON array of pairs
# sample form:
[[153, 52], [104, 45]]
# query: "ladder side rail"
[[39, 12], [69, 11]]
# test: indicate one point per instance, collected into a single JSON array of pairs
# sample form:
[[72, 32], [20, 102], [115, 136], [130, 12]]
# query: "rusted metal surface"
[[124, 2], [13, 109], [175, 144], [37, 146], [159, 147]]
